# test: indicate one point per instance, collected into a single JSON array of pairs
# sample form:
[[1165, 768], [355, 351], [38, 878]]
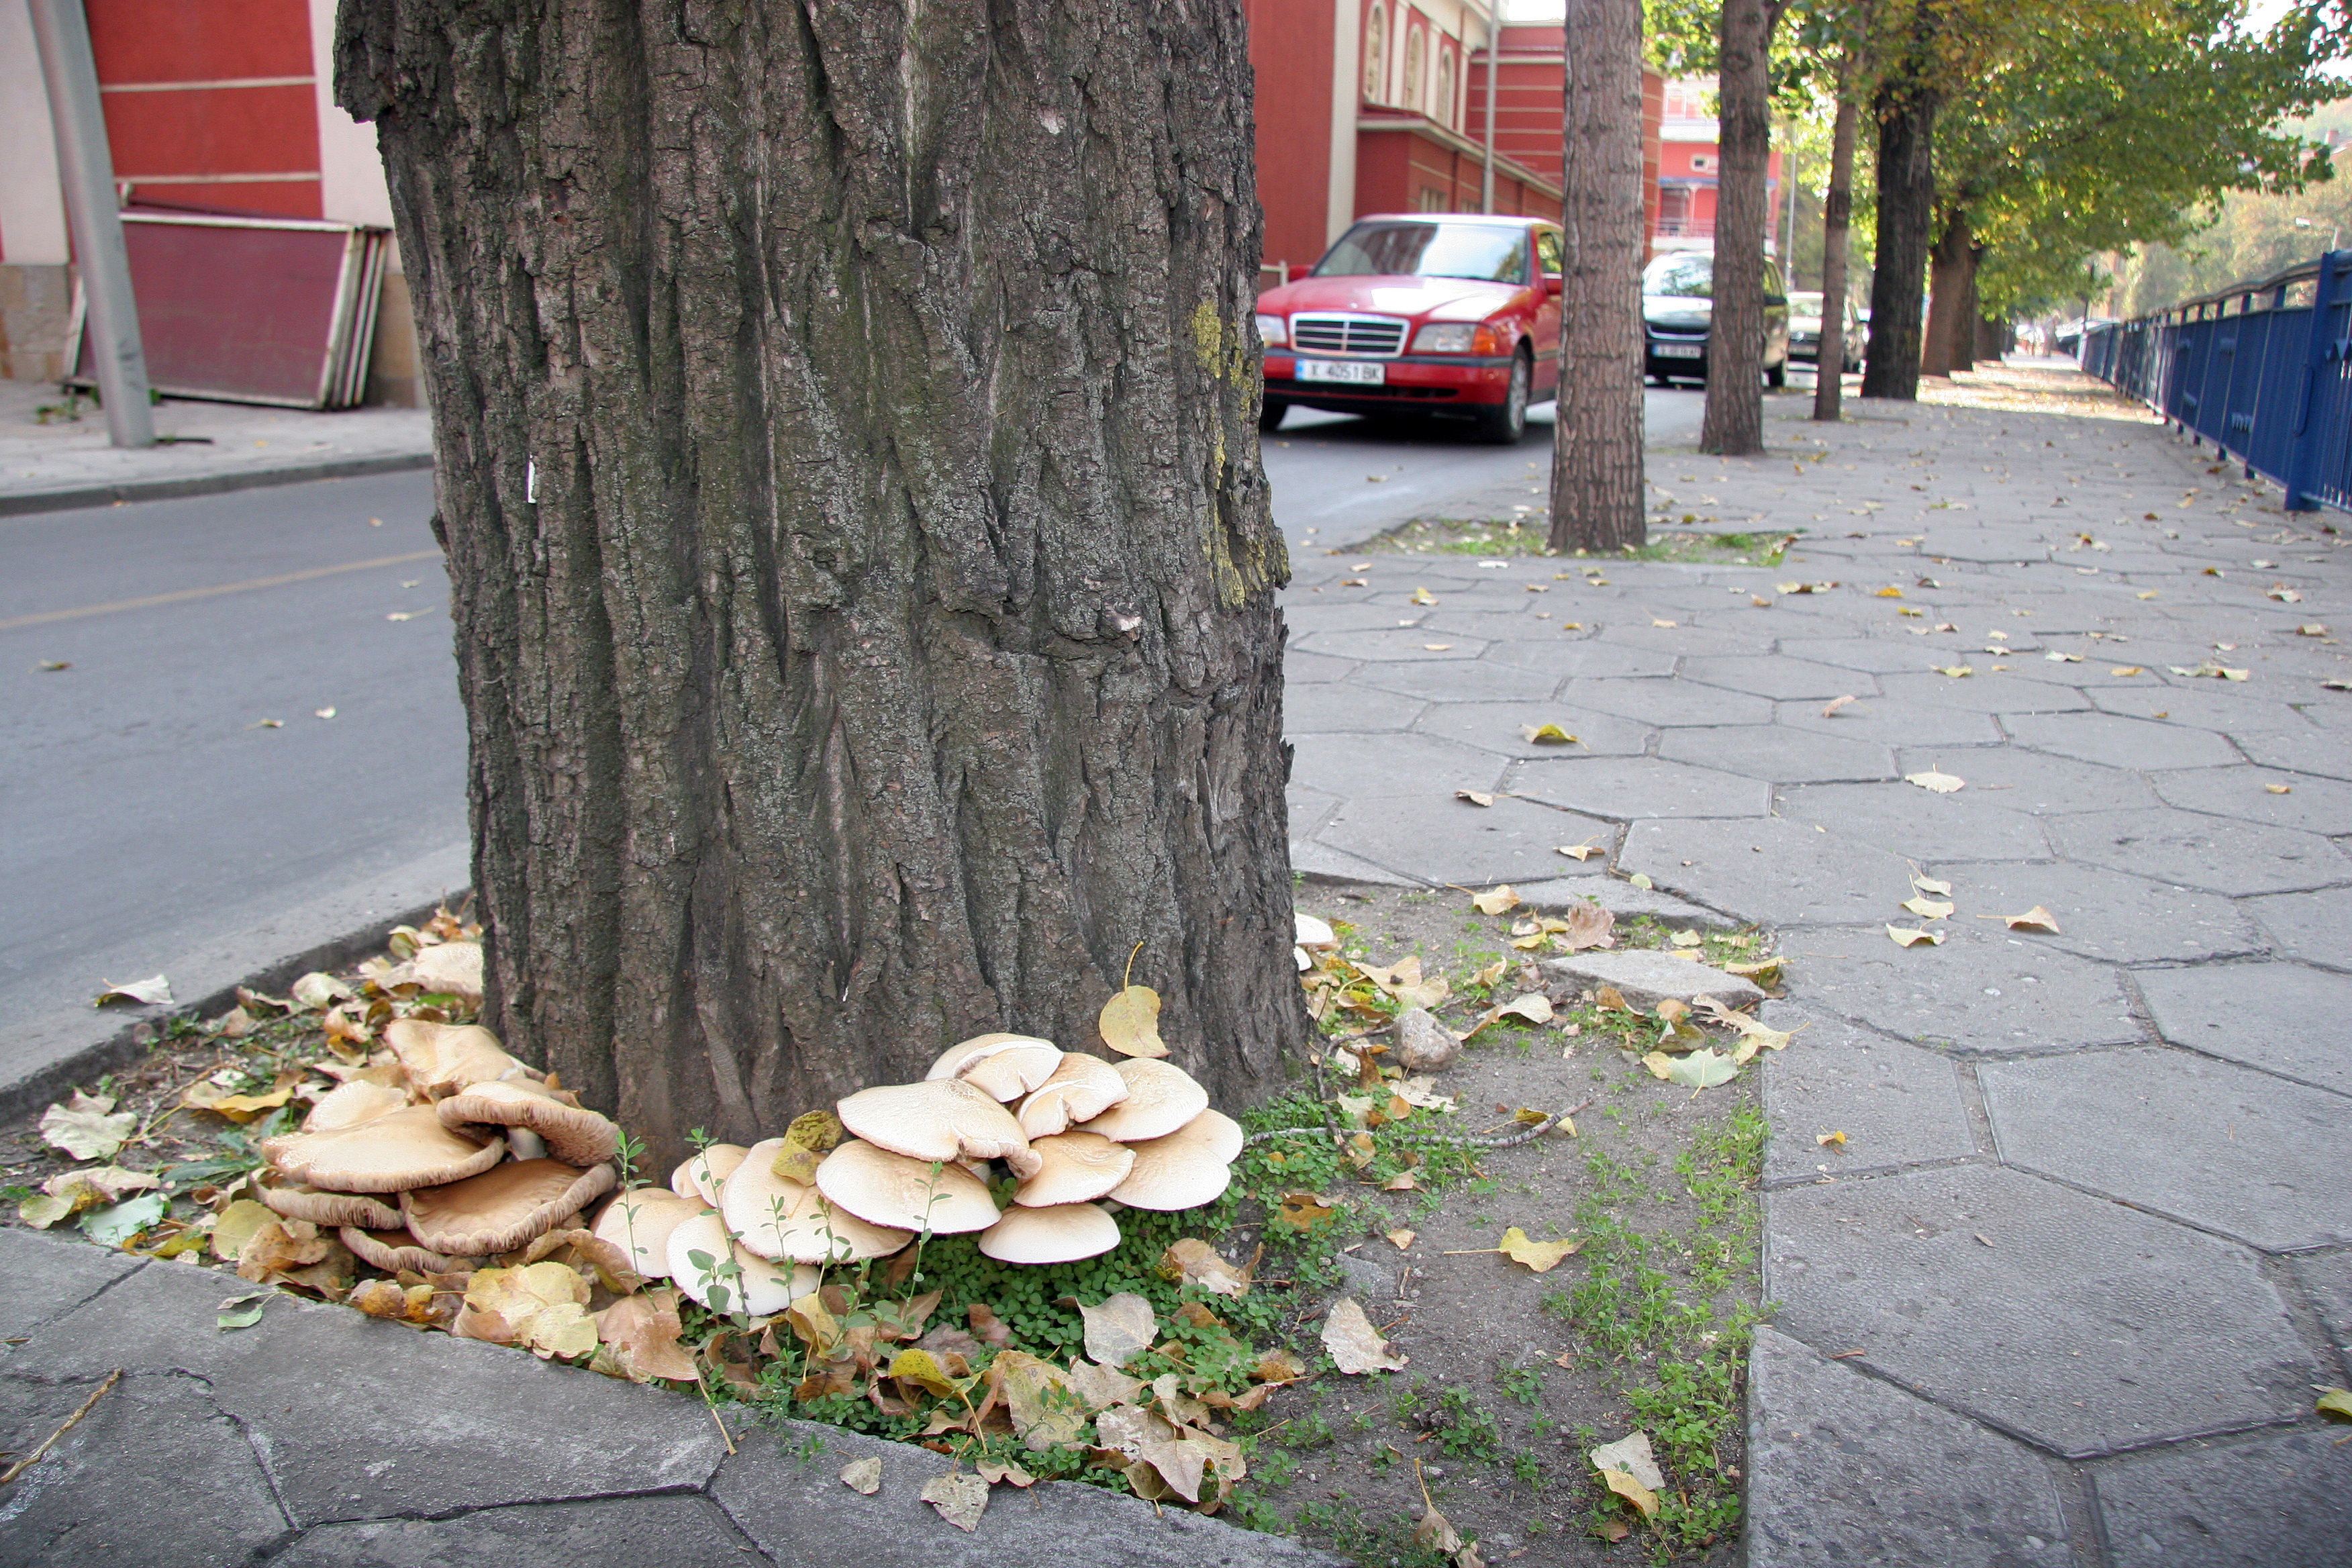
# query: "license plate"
[[1329, 369], [1677, 351]]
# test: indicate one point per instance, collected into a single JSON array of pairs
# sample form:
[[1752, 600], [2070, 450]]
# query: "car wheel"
[[1507, 421], [1270, 413]]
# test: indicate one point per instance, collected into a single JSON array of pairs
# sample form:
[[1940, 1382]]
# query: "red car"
[[1423, 313]]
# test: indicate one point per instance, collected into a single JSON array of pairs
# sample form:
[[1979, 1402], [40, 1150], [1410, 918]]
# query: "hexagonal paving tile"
[[1299, 669], [1459, 680], [2210, 705], [2107, 914], [1497, 727], [1627, 787], [1397, 643], [1998, 694], [1893, 723], [2326, 1278], [1345, 709], [1669, 703], [1910, 820], [2309, 926], [2199, 851], [1982, 991], [2327, 755], [1778, 678], [2223, 1147], [1579, 655], [1686, 640], [2271, 1499], [2141, 744], [1897, 1104], [1776, 755], [1769, 870], [1308, 809], [1352, 766], [1879, 656], [2017, 780], [1446, 840], [2284, 1017], [2262, 794], [2067, 1318]]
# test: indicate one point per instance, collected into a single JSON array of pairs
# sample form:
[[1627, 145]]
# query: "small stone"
[[1645, 978], [1423, 1043]]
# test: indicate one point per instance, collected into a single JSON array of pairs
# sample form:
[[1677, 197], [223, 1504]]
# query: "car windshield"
[[1686, 276], [1804, 303], [1488, 252]]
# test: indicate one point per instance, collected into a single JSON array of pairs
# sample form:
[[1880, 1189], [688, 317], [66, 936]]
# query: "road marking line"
[[184, 595]]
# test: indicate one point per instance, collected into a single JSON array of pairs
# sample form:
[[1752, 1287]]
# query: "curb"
[[47, 1056], [19, 504]]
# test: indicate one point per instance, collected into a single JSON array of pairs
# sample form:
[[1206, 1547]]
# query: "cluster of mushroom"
[[746, 1228], [472, 1155]]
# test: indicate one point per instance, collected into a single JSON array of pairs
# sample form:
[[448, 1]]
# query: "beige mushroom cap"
[[454, 968], [939, 1119], [441, 1058], [639, 1222], [1081, 1089], [390, 1153], [1006, 1066], [1191, 1166], [502, 1210], [573, 1134], [756, 1202], [706, 1172], [1160, 1100], [324, 1209], [1079, 1167], [349, 1104], [392, 1249], [1063, 1234], [887, 1189], [818, 1231], [761, 1289]]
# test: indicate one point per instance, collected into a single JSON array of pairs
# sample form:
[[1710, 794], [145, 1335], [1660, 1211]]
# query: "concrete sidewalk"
[[2062, 1295], [68, 462]]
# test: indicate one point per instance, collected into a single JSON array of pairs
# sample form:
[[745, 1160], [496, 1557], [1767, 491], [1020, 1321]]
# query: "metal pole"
[[1789, 173], [85, 168], [1486, 176]]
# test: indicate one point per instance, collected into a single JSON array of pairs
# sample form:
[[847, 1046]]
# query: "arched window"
[[1376, 54], [1442, 111], [1413, 44]]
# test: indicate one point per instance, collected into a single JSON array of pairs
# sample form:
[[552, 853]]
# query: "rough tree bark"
[[1837, 223], [1942, 351], [862, 571], [1596, 455], [1905, 110], [1734, 422]]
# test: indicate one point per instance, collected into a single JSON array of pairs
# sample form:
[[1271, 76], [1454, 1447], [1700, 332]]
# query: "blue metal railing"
[[2263, 370]]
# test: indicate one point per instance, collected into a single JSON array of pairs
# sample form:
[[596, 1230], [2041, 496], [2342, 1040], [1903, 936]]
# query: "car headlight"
[[1271, 331], [1457, 338]]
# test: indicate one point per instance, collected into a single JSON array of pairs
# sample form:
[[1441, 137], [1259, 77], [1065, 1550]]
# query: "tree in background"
[[1734, 422], [1596, 464], [863, 574], [1909, 92]]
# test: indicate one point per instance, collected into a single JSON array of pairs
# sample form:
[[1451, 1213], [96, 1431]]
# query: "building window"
[[1445, 115], [1430, 199], [1376, 54], [1412, 43]]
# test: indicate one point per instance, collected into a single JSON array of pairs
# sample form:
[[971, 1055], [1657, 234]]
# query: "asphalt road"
[[148, 806]]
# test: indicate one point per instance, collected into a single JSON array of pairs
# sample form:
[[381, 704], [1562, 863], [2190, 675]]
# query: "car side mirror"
[[1552, 285]]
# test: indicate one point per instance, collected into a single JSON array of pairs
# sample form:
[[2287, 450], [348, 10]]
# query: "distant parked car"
[[1805, 330], [1420, 314], [1678, 311]]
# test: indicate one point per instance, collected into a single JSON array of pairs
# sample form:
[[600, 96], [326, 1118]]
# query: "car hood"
[[1437, 299], [1676, 308]]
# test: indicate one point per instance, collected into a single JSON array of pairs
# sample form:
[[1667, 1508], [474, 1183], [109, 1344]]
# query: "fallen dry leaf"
[[1547, 735], [1129, 1022], [2334, 1403], [1930, 884], [1195, 1262], [1118, 1328], [864, 1476], [1702, 1068], [1941, 783], [1925, 908], [1495, 901], [1475, 797], [1830, 709], [2128, 669], [1540, 1257], [1631, 1454], [961, 1498], [1355, 1346], [1909, 938], [88, 1127], [2036, 919], [1401, 1239], [1579, 852], [640, 1335], [541, 1307], [1827, 1139], [153, 992], [1423, 596], [1535, 1007], [1437, 646], [1302, 1211]]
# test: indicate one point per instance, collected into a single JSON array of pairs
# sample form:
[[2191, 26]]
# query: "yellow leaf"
[[640, 1332], [1578, 851], [1609, 999], [863, 1476], [1830, 709], [1547, 735], [1941, 783], [1496, 901], [2336, 1403], [2149, 594], [2036, 919], [2128, 669], [1400, 1238], [1910, 938], [920, 1368], [1195, 1262], [1475, 797], [1956, 670], [1130, 1022], [1930, 884], [1926, 909], [1660, 1064], [1423, 596], [1826, 1139], [1632, 1491], [236, 1225], [1355, 1346], [1541, 1256], [1890, 593], [1302, 1211]]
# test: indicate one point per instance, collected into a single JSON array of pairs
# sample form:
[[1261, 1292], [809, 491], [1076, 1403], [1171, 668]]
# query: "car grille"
[[1382, 335], [1686, 334]]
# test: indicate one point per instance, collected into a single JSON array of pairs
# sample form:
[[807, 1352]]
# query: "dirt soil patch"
[[1525, 536]]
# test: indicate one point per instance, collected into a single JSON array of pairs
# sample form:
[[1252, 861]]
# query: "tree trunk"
[[862, 573], [1734, 422], [1837, 220], [1948, 304], [1905, 110], [1596, 463]]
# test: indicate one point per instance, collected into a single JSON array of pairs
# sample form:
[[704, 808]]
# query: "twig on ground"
[[21, 1465], [1474, 1140]]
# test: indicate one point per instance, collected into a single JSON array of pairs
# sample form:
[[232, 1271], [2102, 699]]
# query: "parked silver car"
[[1678, 312], [1805, 330]]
